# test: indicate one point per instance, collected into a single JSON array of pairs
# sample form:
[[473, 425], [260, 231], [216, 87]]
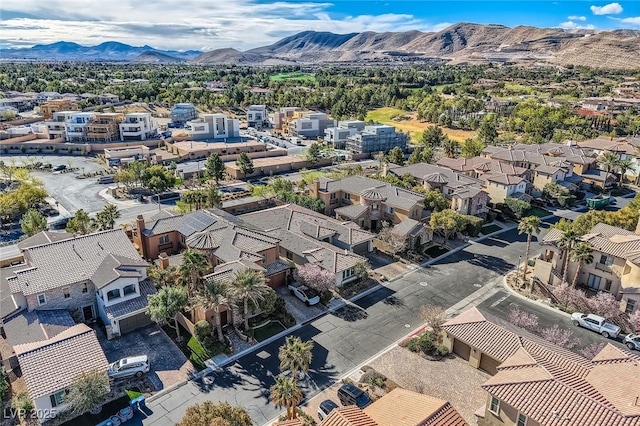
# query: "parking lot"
[[168, 364]]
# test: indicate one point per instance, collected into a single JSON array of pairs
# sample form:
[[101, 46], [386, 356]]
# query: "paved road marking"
[[499, 301]]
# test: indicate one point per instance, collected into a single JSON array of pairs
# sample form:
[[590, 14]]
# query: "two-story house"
[[615, 268], [367, 202], [464, 192], [624, 148], [103, 275], [309, 237]]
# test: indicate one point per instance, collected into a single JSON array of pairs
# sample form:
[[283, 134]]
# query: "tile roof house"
[[103, 275], [309, 237], [615, 269], [464, 192], [368, 202], [48, 372], [624, 148]]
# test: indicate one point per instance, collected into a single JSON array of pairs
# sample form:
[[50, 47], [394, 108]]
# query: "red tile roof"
[[348, 416]]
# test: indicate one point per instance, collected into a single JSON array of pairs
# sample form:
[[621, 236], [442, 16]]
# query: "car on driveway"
[[59, 168], [326, 407], [595, 323], [632, 341], [308, 295], [127, 367], [350, 394]]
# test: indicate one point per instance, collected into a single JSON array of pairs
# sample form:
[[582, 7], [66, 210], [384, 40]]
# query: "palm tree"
[[286, 392], [213, 296], [166, 304], [248, 286], [111, 214], [528, 225], [581, 253], [295, 355], [609, 161], [566, 243], [623, 167], [193, 266]]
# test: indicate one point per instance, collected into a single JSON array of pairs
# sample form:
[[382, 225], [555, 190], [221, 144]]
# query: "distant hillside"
[[459, 43]]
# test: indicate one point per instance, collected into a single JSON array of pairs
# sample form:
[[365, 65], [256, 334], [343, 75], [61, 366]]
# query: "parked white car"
[[308, 295], [632, 341], [595, 323], [127, 367]]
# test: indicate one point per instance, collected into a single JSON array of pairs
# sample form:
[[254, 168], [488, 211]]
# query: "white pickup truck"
[[595, 323]]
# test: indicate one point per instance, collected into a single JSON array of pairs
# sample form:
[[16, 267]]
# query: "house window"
[[66, 293], [164, 239], [606, 260], [57, 398], [348, 273], [333, 196], [85, 288], [113, 294], [389, 210], [631, 304], [593, 281], [129, 289], [607, 285], [347, 196], [42, 299], [494, 406], [374, 206], [522, 420]]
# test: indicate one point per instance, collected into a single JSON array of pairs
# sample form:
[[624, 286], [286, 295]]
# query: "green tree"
[[33, 222], [214, 198], [396, 156], [106, 218], [582, 253], [248, 286], [125, 177], [471, 147], [623, 167], [434, 201], [88, 391], [488, 130], [567, 241], [245, 164], [518, 207], [421, 154], [295, 355], [216, 414], [609, 161], [23, 404], [166, 304], [213, 296], [447, 221], [450, 147], [80, 223], [432, 137], [313, 153], [192, 268], [157, 178], [137, 169], [214, 167], [285, 392], [529, 225]]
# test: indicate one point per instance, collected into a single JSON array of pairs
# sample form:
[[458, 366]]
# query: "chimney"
[[385, 169], [163, 261], [140, 223], [316, 187]]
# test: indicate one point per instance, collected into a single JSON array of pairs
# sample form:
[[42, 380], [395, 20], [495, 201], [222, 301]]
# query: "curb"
[[166, 391], [534, 301]]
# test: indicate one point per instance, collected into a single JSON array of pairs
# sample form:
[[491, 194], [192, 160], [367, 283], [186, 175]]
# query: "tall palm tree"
[[286, 393], [248, 286], [566, 243], [583, 254], [529, 225], [213, 295], [193, 266], [295, 355], [609, 161], [111, 214], [623, 167]]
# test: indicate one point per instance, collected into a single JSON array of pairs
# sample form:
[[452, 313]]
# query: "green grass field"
[[292, 76]]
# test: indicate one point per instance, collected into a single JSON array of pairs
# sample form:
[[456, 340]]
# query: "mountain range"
[[459, 43]]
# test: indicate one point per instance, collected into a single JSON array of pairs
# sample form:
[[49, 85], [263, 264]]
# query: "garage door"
[[277, 280], [133, 322], [461, 349], [489, 364]]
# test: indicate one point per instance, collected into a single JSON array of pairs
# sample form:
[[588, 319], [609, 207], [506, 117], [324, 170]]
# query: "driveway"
[[296, 307], [168, 364]]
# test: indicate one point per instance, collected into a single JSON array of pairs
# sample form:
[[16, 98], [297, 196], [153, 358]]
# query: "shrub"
[[203, 329], [443, 350], [373, 378], [325, 297], [22, 403], [4, 383], [474, 225]]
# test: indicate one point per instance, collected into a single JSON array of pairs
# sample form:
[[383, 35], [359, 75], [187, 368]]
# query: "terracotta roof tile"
[[348, 416]]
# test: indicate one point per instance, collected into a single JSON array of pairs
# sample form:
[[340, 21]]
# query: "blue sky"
[[244, 24]]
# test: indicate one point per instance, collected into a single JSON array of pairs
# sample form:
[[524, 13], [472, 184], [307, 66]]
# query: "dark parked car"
[[325, 408], [59, 167], [350, 394]]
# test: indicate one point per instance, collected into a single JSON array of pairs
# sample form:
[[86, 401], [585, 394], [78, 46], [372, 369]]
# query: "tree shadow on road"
[[351, 313]]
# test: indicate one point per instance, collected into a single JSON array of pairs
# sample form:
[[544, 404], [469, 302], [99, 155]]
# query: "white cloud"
[[632, 21], [607, 9], [189, 24], [570, 25], [577, 18]]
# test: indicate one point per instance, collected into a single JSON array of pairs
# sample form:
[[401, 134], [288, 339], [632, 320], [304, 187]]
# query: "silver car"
[[127, 367], [632, 341]]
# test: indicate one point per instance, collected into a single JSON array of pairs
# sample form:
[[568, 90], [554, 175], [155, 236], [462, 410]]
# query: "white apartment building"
[[338, 135], [137, 126], [257, 116], [215, 127], [310, 125], [56, 127], [77, 125]]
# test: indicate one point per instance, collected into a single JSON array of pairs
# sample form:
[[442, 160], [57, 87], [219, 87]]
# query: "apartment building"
[[283, 116], [376, 138], [77, 127], [105, 127], [257, 116], [183, 112], [56, 126], [137, 126], [615, 268], [337, 136], [213, 127], [308, 124], [48, 109]]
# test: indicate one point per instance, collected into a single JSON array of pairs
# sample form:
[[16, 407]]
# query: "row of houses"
[[29, 100]]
